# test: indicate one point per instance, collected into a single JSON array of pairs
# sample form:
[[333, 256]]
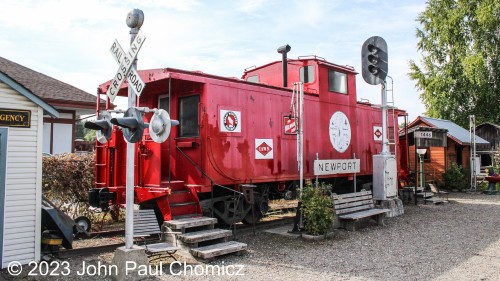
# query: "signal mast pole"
[[135, 18], [385, 143]]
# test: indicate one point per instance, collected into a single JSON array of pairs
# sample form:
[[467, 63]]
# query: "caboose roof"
[[303, 59], [158, 77]]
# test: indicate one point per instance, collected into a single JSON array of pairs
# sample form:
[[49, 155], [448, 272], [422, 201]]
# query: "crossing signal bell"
[[102, 125], [160, 125], [374, 60], [131, 124]]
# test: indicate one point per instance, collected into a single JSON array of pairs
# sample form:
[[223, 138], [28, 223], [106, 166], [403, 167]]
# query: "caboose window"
[[164, 103], [188, 116], [254, 78], [306, 74], [337, 82]]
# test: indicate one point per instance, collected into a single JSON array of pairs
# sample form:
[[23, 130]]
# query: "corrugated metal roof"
[[454, 130]]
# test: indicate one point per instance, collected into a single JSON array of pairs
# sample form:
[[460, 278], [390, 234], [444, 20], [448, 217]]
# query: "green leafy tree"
[[79, 130], [90, 135], [459, 73]]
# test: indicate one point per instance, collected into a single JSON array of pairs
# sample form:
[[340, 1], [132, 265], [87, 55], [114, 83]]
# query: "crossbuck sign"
[[125, 61]]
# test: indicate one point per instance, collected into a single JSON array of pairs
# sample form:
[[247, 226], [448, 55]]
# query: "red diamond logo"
[[264, 149], [378, 133]]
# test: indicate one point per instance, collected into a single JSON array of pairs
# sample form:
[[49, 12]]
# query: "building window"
[[306, 74], [254, 78], [427, 155], [337, 82], [188, 116]]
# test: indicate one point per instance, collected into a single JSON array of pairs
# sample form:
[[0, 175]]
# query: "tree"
[[79, 129], [460, 68]]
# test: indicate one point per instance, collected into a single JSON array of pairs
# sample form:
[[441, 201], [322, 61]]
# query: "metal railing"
[[214, 184]]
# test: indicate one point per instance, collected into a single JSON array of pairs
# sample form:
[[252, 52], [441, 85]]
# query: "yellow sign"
[[15, 118]]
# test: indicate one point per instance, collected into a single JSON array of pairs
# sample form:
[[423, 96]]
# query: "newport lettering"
[[343, 166]]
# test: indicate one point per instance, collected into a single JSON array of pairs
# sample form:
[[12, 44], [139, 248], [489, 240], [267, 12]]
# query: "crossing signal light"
[[102, 125], [131, 124], [160, 125], [374, 60]]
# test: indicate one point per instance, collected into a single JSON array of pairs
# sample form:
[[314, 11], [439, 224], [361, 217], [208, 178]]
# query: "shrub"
[[317, 209], [454, 177], [66, 179]]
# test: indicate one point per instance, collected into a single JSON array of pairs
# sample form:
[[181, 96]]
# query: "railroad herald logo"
[[377, 133], [264, 149], [230, 121]]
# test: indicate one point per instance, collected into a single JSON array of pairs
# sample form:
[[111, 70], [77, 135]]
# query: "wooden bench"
[[351, 207], [146, 225]]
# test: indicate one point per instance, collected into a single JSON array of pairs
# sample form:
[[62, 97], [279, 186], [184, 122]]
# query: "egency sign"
[[15, 118]]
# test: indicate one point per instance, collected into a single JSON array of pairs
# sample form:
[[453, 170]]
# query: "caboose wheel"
[[288, 195], [261, 207], [252, 218]]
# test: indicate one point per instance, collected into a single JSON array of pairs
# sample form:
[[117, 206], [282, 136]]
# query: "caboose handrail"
[[213, 183]]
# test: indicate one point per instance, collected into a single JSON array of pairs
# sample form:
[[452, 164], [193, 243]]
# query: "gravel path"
[[459, 240]]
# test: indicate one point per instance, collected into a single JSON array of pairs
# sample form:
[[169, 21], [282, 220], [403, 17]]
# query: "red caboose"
[[236, 134]]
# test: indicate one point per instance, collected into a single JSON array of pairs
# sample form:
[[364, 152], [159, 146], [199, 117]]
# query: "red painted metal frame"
[[228, 158]]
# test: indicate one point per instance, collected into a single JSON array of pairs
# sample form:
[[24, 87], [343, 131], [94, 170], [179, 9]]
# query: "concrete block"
[[393, 204], [129, 262]]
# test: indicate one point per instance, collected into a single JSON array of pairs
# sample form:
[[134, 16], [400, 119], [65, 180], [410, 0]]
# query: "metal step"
[[180, 191], [434, 200], [183, 204], [425, 194], [190, 222], [208, 252], [205, 235], [174, 185]]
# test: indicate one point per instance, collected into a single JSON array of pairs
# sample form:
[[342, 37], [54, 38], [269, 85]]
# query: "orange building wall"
[[434, 168]]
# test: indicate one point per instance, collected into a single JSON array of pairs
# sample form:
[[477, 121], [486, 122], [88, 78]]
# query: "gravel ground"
[[459, 240]]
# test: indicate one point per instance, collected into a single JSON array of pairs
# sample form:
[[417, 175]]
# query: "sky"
[[70, 40]]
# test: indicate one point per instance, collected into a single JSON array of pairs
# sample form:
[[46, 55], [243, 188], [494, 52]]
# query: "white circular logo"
[[230, 121], [340, 131]]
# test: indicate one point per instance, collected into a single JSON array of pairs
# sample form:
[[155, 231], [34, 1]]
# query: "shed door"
[[3, 165]]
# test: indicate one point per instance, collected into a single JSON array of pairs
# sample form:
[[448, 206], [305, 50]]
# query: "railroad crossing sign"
[[125, 60], [133, 77]]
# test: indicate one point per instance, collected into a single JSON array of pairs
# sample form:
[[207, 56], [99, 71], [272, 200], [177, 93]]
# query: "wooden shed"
[[21, 138], [491, 133], [438, 158]]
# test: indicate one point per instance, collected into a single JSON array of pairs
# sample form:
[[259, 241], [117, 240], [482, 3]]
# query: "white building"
[[70, 102], [21, 138]]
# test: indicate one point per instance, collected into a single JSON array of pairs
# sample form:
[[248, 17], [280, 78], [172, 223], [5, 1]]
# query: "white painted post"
[[385, 143], [300, 140], [134, 20]]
